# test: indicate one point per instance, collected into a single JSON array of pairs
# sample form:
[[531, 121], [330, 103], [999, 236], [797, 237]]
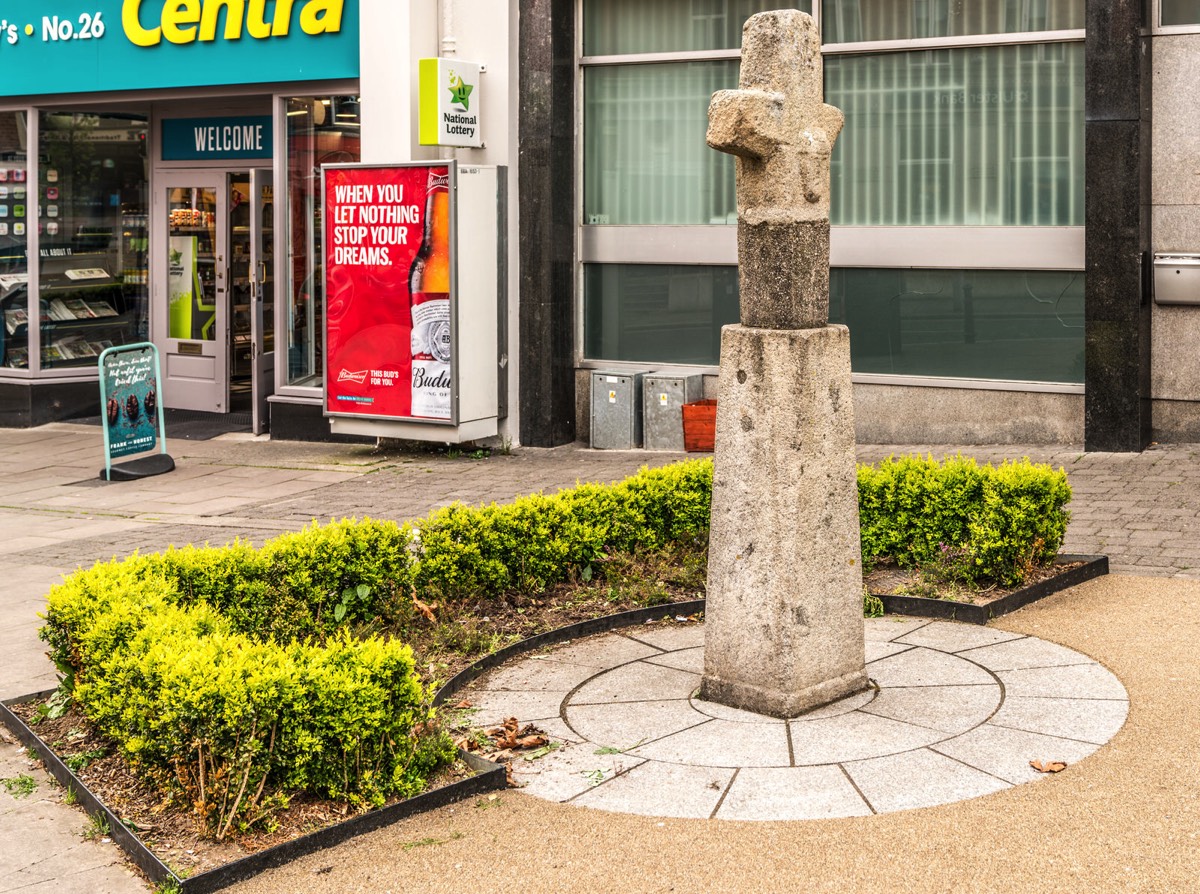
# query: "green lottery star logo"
[[460, 91]]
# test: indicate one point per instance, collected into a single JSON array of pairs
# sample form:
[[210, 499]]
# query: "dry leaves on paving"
[[1048, 766], [506, 743]]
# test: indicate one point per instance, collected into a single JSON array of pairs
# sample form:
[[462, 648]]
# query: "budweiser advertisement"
[[388, 276]]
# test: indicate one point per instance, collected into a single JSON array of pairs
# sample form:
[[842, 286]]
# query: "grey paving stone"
[[558, 731], [1092, 720], [890, 627], [841, 706], [791, 793], [876, 650], [723, 743], [629, 724], [855, 736], [668, 636], [1074, 681], [920, 778], [691, 660], [535, 675], [638, 681], [1007, 752], [947, 636], [925, 667], [1026, 652], [949, 709], [495, 707], [569, 771], [605, 651], [655, 789]]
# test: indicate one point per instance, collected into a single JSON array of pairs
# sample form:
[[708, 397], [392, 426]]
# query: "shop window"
[[14, 241], [621, 27], [92, 220], [852, 21], [981, 136], [969, 324], [1180, 12], [646, 161], [320, 130], [657, 313], [955, 324]]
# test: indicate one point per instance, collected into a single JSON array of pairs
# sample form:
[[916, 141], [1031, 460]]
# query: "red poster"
[[387, 292]]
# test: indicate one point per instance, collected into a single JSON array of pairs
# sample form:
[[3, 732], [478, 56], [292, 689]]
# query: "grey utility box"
[[663, 397], [616, 410], [1176, 278]]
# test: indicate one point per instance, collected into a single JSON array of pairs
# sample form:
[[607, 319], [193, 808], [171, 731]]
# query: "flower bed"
[[232, 676]]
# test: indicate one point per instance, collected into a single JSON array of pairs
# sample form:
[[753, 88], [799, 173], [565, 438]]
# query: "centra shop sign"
[[194, 20], [85, 46]]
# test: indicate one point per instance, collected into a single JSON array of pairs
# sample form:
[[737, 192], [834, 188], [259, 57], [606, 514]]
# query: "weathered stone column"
[[783, 621]]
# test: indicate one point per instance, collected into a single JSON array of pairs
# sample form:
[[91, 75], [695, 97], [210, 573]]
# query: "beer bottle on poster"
[[429, 287]]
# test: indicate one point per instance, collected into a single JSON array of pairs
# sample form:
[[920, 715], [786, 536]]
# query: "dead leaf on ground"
[[1048, 766], [425, 609], [464, 704]]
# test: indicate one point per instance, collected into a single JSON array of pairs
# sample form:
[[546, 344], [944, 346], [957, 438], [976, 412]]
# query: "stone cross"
[[782, 134], [783, 616]]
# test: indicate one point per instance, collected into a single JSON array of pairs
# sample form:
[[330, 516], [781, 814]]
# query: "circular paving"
[[954, 711]]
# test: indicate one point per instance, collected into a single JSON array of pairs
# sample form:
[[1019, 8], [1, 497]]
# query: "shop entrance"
[[215, 290]]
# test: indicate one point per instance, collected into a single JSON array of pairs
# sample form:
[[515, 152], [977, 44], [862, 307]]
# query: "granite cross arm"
[[781, 133]]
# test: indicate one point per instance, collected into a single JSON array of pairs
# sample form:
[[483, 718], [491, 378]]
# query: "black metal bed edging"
[[946, 610], [155, 869], [491, 777]]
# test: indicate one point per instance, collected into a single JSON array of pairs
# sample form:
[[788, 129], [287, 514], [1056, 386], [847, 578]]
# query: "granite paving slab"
[[953, 711]]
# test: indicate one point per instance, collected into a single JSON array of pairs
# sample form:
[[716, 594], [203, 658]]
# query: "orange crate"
[[699, 426]]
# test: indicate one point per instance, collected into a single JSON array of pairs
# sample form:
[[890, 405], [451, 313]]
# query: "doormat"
[[194, 425]]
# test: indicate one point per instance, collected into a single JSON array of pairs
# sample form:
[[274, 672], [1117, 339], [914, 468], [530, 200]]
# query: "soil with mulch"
[[888, 579]]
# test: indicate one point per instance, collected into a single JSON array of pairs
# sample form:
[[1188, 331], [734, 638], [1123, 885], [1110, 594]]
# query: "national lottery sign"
[[389, 267]]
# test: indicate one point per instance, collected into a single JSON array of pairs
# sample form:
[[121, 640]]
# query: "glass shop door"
[[191, 290]]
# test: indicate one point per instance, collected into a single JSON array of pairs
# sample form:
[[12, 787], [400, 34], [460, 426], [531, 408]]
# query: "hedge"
[[229, 676], [1001, 520]]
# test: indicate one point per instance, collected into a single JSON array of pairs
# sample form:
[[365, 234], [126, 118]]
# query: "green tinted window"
[[845, 21], [980, 136], [657, 313], [645, 159], [974, 324], [617, 27]]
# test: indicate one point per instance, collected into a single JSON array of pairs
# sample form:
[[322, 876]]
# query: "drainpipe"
[[449, 41]]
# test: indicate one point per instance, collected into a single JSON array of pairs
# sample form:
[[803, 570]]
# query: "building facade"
[[1007, 173]]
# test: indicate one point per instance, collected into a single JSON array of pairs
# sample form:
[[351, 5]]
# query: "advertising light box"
[[389, 271], [415, 304]]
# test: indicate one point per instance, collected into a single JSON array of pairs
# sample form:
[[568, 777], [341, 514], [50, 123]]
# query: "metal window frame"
[[1156, 28]]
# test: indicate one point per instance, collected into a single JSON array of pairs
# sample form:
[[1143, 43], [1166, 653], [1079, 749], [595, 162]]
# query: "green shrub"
[[229, 721], [230, 675], [996, 522]]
